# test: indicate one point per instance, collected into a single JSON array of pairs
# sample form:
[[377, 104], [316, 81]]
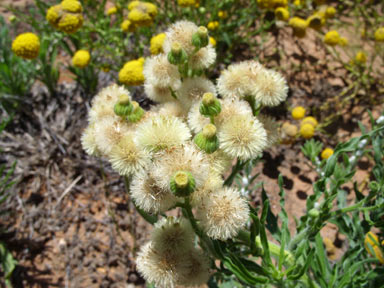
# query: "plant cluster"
[[176, 155]]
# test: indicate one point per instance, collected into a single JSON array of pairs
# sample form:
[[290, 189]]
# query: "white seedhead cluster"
[[178, 152]]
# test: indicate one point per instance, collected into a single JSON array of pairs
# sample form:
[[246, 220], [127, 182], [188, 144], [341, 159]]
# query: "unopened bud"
[[313, 213], [177, 54], [182, 184], [123, 107], [207, 140], [200, 39], [210, 105], [136, 113]]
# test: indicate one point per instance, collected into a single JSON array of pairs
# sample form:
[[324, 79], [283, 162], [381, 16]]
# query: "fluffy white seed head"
[[158, 94], [173, 108], [194, 270], [88, 141], [148, 195], [157, 268], [180, 32], [237, 80], [172, 236], [193, 89], [242, 136], [104, 102], [126, 158], [203, 58], [272, 129], [159, 72], [223, 213], [212, 183], [108, 132], [270, 88], [184, 158], [161, 132]]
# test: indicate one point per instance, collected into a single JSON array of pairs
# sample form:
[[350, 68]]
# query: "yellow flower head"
[[26, 45], [112, 10], [299, 26], [157, 44], [316, 21], [132, 5], [223, 14], [81, 58], [289, 129], [361, 57], [187, 3], [282, 14], [343, 41], [72, 6], [330, 12], [379, 35], [141, 13], [307, 131], [309, 120], [327, 152], [212, 41], [278, 3], [298, 113], [332, 38], [53, 15], [132, 73], [213, 25], [66, 16], [127, 26], [372, 245]]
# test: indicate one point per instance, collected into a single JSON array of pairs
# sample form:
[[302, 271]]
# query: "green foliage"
[[16, 74]]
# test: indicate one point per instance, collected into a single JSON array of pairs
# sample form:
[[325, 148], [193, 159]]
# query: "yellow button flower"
[[132, 5], [157, 44], [316, 21], [66, 16], [361, 57], [112, 10], [330, 12], [332, 38], [298, 113], [343, 41], [223, 14], [371, 244], [309, 120], [26, 45], [327, 152], [72, 6], [132, 73], [307, 131], [81, 59], [379, 35], [289, 129], [186, 3], [282, 14], [213, 25], [212, 41], [278, 3], [127, 26], [299, 26]]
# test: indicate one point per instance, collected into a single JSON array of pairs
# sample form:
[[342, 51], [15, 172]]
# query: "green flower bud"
[[177, 54], [207, 140], [313, 213], [136, 114], [202, 10], [374, 186], [123, 107], [200, 39], [182, 184], [210, 105]]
